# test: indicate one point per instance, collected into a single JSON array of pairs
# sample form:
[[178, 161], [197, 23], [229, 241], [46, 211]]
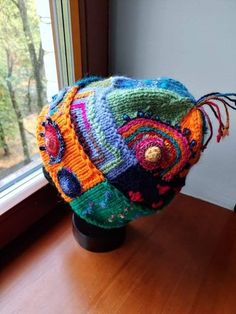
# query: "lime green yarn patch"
[[106, 207], [163, 103], [103, 83]]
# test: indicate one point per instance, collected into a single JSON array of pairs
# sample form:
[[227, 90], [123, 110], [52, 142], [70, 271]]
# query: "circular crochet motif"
[[69, 183], [171, 146], [150, 151], [54, 144]]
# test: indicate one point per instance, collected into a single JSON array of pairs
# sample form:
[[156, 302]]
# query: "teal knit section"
[[159, 102], [106, 207]]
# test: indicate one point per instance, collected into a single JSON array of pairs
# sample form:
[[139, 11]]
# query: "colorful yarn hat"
[[118, 148]]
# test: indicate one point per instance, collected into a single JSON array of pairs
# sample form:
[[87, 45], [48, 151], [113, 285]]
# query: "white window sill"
[[21, 190]]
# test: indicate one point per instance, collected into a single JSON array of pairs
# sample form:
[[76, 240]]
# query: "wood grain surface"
[[182, 260]]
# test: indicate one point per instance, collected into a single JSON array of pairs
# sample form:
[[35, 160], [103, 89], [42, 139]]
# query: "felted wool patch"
[[118, 148]]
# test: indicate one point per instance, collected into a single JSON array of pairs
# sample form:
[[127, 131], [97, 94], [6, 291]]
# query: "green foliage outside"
[[22, 78]]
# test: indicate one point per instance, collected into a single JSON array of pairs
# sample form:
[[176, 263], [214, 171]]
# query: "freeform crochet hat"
[[118, 148]]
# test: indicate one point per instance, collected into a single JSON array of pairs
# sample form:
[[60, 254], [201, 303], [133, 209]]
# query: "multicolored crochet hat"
[[118, 148]]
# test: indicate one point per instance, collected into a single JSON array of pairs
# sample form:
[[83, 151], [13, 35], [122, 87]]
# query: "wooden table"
[[182, 260]]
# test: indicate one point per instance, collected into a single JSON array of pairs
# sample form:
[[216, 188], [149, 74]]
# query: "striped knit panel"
[[85, 132], [97, 133], [120, 156]]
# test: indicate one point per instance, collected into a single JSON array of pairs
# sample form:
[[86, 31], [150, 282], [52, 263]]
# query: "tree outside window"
[[24, 85]]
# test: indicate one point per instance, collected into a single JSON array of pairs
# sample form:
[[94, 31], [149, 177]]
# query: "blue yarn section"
[[125, 82], [69, 183], [87, 80], [56, 99], [108, 127], [89, 138], [174, 86]]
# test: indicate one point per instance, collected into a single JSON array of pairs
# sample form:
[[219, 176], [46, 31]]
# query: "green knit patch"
[[106, 207], [163, 103], [103, 83]]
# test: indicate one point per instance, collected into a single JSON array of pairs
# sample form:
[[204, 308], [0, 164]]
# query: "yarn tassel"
[[210, 100], [210, 127], [225, 129], [229, 96]]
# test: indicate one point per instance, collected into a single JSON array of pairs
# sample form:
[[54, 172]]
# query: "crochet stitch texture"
[[119, 148]]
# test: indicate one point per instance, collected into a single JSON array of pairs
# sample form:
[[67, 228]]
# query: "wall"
[[194, 42]]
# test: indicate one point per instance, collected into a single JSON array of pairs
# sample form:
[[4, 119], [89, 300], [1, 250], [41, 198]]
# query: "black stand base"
[[97, 239]]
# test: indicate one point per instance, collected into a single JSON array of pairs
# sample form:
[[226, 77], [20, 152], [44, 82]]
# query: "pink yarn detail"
[[81, 105], [218, 116], [158, 204], [135, 196], [52, 143], [219, 135], [162, 189]]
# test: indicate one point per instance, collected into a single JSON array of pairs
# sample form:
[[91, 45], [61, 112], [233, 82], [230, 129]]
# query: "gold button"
[[153, 154]]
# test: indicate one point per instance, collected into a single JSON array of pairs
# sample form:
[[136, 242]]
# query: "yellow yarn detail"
[[153, 154]]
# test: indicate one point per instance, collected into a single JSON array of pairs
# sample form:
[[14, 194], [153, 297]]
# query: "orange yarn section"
[[74, 157], [194, 122], [83, 94]]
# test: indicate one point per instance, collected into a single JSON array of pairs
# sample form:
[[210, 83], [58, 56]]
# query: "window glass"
[[28, 80]]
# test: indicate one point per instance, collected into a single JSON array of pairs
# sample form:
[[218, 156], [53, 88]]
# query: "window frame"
[[88, 21]]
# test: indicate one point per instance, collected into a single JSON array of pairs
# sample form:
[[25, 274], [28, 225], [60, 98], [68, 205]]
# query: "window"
[[28, 80], [30, 72], [80, 37]]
